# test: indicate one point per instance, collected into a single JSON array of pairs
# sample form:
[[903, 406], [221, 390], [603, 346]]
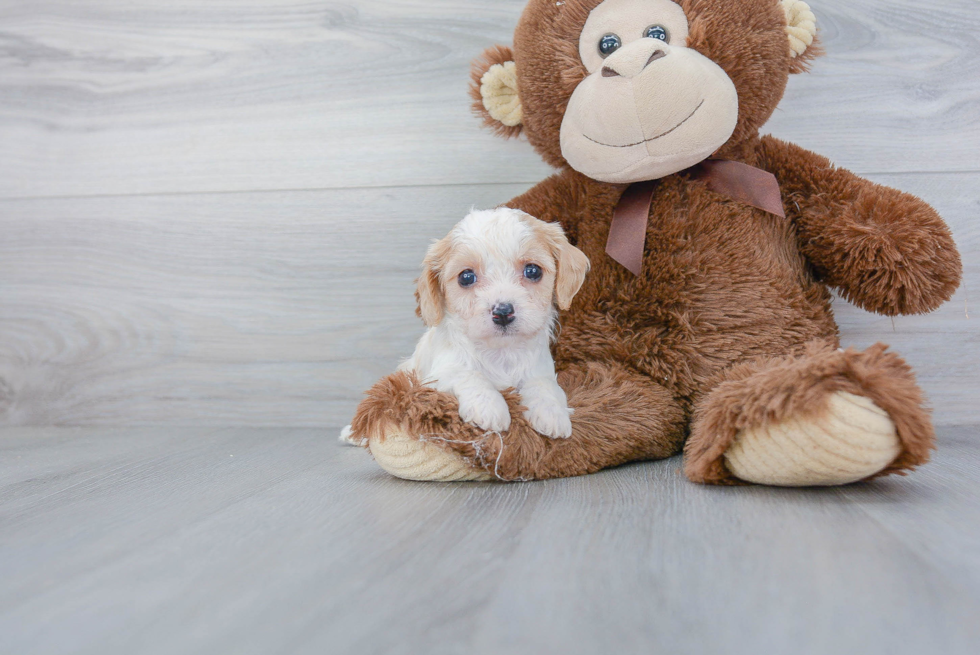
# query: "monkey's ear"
[[493, 88], [801, 29], [429, 293]]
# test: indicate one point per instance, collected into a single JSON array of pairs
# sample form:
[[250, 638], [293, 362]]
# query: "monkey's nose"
[[609, 71], [657, 54], [503, 313]]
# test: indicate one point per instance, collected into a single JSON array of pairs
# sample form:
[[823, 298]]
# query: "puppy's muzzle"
[[503, 313]]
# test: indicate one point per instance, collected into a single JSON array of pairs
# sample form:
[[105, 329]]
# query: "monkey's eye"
[[533, 272], [657, 32], [609, 44], [467, 278]]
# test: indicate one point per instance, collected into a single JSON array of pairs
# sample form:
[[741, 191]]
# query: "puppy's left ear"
[[429, 293], [572, 263]]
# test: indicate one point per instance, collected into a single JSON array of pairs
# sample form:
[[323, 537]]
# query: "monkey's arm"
[[886, 251]]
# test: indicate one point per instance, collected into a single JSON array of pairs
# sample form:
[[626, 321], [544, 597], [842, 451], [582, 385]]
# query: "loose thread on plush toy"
[[478, 449], [496, 464]]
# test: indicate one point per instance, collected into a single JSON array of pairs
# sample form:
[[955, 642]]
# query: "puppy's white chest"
[[507, 368]]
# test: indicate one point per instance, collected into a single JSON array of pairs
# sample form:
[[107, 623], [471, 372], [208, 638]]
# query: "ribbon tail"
[[628, 230]]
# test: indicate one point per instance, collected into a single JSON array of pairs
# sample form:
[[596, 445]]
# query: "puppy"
[[489, 294]]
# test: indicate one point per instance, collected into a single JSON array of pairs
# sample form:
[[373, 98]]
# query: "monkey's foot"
[[823, 417], [409, 458], [415, 432], [853, 440]]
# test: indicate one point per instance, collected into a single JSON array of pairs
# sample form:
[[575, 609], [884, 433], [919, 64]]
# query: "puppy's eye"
[[467, 278], [657, 32], [532, 272], [609, 44]]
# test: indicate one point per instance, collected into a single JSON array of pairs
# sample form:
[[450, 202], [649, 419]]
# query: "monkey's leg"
[[828, 417], [619, 416]]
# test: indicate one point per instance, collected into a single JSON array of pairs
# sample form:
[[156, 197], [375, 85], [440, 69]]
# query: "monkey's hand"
[[886, 251]]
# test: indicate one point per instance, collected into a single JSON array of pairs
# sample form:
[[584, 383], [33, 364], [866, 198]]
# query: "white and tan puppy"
[[489, 293]]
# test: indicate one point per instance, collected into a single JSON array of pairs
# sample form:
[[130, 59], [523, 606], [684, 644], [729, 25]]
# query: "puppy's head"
[[499, 274]]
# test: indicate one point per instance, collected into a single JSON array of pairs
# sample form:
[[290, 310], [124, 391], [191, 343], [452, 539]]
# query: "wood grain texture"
[[280, 541], [211, 215], [150, 97]]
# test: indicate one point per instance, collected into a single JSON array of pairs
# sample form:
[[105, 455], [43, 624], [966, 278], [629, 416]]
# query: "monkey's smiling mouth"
[[640, 143]]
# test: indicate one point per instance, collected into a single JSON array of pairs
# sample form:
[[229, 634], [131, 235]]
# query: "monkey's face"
[[650, 106], [630, 90]]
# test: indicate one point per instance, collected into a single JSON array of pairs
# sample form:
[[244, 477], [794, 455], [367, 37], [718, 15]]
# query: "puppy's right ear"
[[572, 263], [429, 293], [494, 91]]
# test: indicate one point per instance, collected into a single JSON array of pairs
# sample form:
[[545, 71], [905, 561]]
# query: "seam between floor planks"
[[394, 187]]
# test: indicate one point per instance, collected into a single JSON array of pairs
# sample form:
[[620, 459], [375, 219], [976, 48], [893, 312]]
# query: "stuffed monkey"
[[705, 325]]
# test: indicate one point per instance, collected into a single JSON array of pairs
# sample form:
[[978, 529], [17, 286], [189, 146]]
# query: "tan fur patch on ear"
[[493, 88], [498, 87], [573, 265], [428, 293], [801, 26]]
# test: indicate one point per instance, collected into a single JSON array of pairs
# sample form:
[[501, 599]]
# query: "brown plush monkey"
[[705, 324]]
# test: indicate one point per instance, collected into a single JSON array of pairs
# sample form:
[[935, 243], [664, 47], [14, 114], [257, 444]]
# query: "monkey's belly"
[[683, 331]]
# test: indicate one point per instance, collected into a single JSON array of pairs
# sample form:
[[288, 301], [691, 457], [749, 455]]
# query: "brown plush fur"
[[730, 321], [886, 251], [618, 417], [770, 390]]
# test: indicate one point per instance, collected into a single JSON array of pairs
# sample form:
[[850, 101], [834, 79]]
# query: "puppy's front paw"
[[550, 419], [486, 409]]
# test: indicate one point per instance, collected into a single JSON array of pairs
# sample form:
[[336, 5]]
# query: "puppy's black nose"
[[503, 313]]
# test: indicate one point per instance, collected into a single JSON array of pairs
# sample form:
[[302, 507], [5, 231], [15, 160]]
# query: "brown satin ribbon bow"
[[740, 182]]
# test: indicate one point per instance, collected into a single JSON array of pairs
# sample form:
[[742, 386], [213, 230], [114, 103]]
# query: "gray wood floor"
[[210, 218], [240, 540]]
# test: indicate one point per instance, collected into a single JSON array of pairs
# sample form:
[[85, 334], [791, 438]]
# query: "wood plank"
[[928, 510], [164, 542], [141, 97], [260, 309]]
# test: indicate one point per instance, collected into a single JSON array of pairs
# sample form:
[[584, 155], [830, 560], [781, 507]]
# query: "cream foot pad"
[[411, 459], [853, 441]]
